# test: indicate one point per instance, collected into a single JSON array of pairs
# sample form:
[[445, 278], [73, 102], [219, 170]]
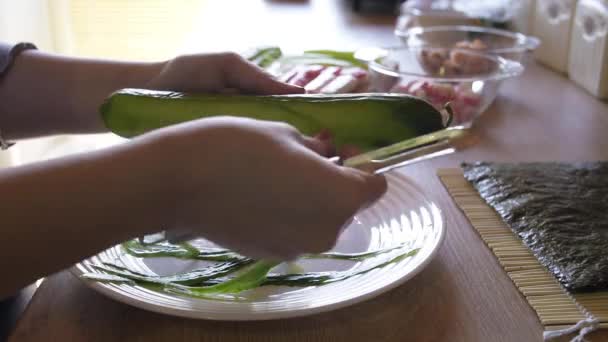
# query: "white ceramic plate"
[[403, 216]]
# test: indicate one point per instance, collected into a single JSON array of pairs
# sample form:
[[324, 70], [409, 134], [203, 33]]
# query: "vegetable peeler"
[[410, 151]]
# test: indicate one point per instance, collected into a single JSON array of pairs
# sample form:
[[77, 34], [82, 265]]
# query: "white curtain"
[[24, 21], [121, 29]]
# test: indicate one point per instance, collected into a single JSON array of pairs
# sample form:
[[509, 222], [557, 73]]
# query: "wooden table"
[[463, 295]]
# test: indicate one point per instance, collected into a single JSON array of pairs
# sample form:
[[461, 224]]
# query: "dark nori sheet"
[[560, 211]]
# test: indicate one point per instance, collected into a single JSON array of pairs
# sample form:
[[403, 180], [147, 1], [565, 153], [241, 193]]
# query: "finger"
[[375, 187], [346, 225], [229, 91], [241, 74], [348, 151], [355, 188], [369, 187], [322, 241], [327, 138], [324, 135], [178, 235], [324, 148], [282, 253]]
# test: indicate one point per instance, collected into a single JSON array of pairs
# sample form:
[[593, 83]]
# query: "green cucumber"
[[368, 121]]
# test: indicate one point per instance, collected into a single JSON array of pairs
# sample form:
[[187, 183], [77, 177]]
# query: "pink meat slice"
[[341, 84], [306, 74], [326, 76], [289, 74], [358, 73], [362, 77]]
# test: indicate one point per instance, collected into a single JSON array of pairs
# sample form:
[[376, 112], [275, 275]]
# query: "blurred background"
[[157, 29], [153, 30]]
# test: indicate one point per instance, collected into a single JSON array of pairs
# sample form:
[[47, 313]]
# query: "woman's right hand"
[[257, 187]]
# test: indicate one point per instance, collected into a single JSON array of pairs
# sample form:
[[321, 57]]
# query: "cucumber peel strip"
[[187, 251], [347, 56], [195, 277], [181, 251], [250, 276]]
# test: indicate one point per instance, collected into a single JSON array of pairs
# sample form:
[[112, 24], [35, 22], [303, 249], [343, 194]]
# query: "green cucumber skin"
[[365, 120]]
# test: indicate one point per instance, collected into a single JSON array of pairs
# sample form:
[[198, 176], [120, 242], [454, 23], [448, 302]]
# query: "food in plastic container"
[[466, 79], [506, 44], [464, 102]]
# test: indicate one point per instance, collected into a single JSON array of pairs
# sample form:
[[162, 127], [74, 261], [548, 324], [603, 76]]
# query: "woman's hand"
[[69, 90], [257, 187], [260, 188], [218, 73]]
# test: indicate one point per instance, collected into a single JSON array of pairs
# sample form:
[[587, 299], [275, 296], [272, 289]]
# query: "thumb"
[[249, 78], [369, 187]]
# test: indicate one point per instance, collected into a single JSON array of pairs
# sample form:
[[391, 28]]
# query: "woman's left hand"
[[218, 73]]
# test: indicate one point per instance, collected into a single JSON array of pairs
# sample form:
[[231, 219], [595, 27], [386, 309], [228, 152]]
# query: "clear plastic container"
[[503, 43], [511, 14], [467, 80]]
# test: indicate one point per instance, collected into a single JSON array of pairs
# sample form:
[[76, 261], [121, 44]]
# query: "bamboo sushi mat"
[[554, 306]]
